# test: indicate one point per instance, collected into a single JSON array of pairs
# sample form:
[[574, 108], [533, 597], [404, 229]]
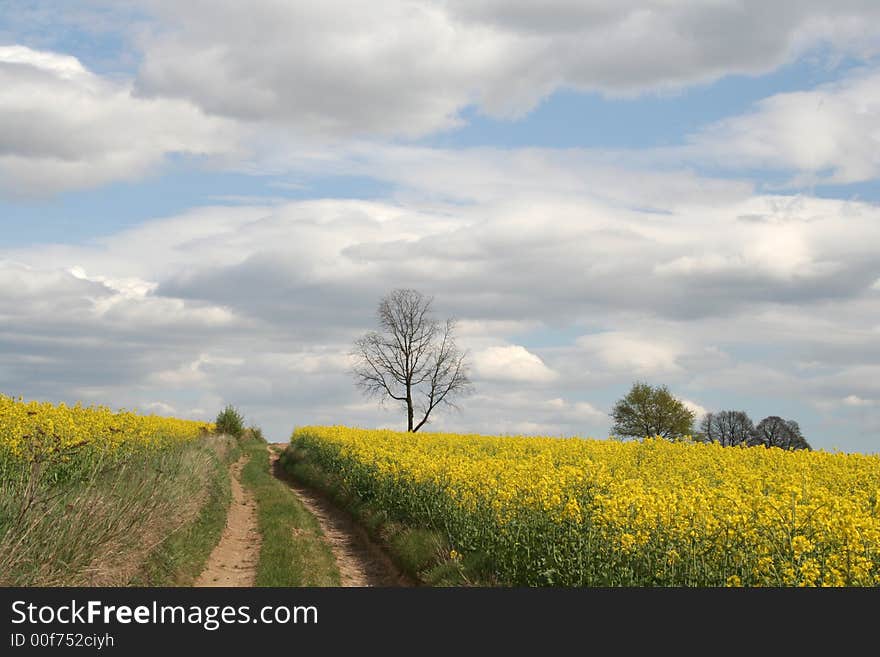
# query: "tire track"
[[234, 560], [360, 560]]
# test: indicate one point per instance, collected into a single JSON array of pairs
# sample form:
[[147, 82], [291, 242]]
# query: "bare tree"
[[727, 428], [413, 359], [773, 431]]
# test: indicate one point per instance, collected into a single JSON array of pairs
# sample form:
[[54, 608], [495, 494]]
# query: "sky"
[[202, 203]]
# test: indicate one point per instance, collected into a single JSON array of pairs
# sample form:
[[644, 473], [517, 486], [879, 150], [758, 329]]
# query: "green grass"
[[293, 551], [180, 559], [421, 553], [119, 521]]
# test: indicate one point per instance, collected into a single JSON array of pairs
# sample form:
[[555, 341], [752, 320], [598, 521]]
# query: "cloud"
[[480, 174], [160, 408], [613, 241], [572, 271], [63, 331], [512, 363], [698, 410], [830, 134], [334, 68], [327, 76], [198, 371], [63, 127], [324, 77], [628, 352], [410, 68], [577, 410], [257, 305], [506, 409]]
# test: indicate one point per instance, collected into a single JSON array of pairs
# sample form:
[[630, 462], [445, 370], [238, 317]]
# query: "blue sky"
[[600, 196]]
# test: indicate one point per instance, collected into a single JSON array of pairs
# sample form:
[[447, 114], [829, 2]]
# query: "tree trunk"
[[409, 408]]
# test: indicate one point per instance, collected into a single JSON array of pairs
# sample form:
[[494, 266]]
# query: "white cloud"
[[574, 411], [328, 68], [698, 410], [273, 295], [63, 127], [514, 409], [330, 71], [679, 277], [511, 363], [160, 408], [828, 134], [62, 66], [332, 67], [629, 352], [197, 372], [309, 362], [132, 288], [777, 251]]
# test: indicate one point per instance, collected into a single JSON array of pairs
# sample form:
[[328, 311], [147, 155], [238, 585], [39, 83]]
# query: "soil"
[[360, 560], [234, 561]]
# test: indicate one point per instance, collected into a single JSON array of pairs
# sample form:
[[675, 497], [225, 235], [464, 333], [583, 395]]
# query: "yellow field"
[[600, 512], [35, 428], [86, 492]]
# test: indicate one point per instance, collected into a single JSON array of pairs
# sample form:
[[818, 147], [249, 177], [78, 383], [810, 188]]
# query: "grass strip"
[[180, 559], [422, 553], [117, 522], [293, 551]]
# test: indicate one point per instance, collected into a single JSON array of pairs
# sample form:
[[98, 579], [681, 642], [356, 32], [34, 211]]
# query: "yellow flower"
[[604, 511], [38, 430], [800, 545]]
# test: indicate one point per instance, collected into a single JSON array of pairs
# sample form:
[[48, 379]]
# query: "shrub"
[[230, 421]]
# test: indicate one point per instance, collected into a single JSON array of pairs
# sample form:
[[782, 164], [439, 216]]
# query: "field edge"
[[422, 554], [182, 556]]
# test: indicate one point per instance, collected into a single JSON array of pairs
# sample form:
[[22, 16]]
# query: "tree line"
[[653, 411], [413, 360]]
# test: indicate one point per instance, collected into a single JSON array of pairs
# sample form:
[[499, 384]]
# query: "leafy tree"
[[230, 421], [651, 411], [412, 359], [773, 431], [727, 428]]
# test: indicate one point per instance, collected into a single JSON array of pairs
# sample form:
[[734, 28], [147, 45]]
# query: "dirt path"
[[234, 561], [360, 561]]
